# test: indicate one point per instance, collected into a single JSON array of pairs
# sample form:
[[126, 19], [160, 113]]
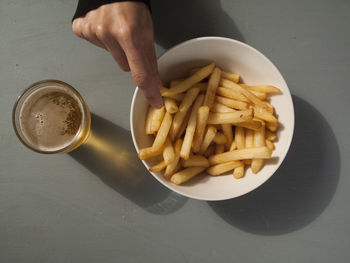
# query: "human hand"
[[125, 30]]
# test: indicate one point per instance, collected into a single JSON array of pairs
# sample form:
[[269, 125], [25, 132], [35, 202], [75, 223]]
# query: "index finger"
[[143, 65]]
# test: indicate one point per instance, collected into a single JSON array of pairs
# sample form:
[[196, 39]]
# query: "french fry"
[[162, 132], [249, 143], [212, 86], [178, 97], [227, 130], [168, 152], [193, 70], [191, 128], [173, 166], [219, 148], [175, 82], [253, 124], [202, 118], [233, 146], [150, 112], [262, 113], [270, 136], [202, 86], [149, 152], [220, 138], [262, 88], [270, 144], [183, 108], [249, 139], [222, 168], [230, 117], [259, 95], [235, 104], [196, 160], [183, 124], [238, 172], [158, 167], [230, 76], [239, 137], [218, 107], [154, 119], [231, 94], [186, 174], [170, 105], [272, 126], [208, 138], [259, 141], [210, 150], [190, 81], [241, 154], [246, 93]]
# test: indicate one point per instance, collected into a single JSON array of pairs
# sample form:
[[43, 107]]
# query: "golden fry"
[[241, 154], [218, 107], [235, 104], [168, 152], [220, 138], [170, 105], [212, 86], [231, 94], [191, 128], [183, 108], [173, 166], [208, 138], [253, 124], [202, 118], [230, 76], [223, 167], [186, 174], [262, 88], [196, 160], [262, 113], [149, 152], [246, 93], [227, 130], [239, 137], [270, 136], [163, 132], [219, 148], [238, 172], [270, 144], [158, 167], [230, 117], [190, 81], [259, 141]]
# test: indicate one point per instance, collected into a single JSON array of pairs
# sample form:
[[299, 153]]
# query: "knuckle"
[[101, 31]]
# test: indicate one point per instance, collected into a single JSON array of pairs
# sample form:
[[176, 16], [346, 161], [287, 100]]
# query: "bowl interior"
[[254, 68]]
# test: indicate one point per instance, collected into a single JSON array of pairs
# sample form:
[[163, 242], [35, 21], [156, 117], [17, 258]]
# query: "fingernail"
[[159, 104]]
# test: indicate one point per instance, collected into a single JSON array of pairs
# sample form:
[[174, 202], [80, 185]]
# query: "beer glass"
[[50, 116]]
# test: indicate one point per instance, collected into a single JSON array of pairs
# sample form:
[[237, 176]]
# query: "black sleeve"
[[84, 6]]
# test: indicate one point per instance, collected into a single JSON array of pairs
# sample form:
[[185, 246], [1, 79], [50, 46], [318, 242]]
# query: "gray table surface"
[[84, 207]]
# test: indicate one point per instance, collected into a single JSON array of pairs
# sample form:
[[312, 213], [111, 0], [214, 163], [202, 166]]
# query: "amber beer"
[[51, 117]]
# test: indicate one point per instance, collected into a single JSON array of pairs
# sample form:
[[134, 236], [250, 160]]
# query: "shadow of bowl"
[[300, 189]]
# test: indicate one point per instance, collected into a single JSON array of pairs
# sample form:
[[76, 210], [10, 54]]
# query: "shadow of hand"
[[177, 21], [109, 153], [301, 188]]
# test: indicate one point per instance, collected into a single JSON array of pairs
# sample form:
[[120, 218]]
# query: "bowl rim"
[[287, 92]]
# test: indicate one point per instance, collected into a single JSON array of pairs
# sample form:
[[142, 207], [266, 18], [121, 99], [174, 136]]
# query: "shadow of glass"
[[177, 21], [301, 188], [109, 153]]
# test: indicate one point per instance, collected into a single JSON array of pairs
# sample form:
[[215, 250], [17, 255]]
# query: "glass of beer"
[[50, 116]]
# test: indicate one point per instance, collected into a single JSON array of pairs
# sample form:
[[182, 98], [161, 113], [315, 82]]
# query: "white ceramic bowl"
[[234, 56]]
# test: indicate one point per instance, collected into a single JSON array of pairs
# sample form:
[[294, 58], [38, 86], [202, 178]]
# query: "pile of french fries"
[[211, 122]]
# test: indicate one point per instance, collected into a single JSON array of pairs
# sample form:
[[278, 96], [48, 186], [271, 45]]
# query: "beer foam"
[[51, 118]]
